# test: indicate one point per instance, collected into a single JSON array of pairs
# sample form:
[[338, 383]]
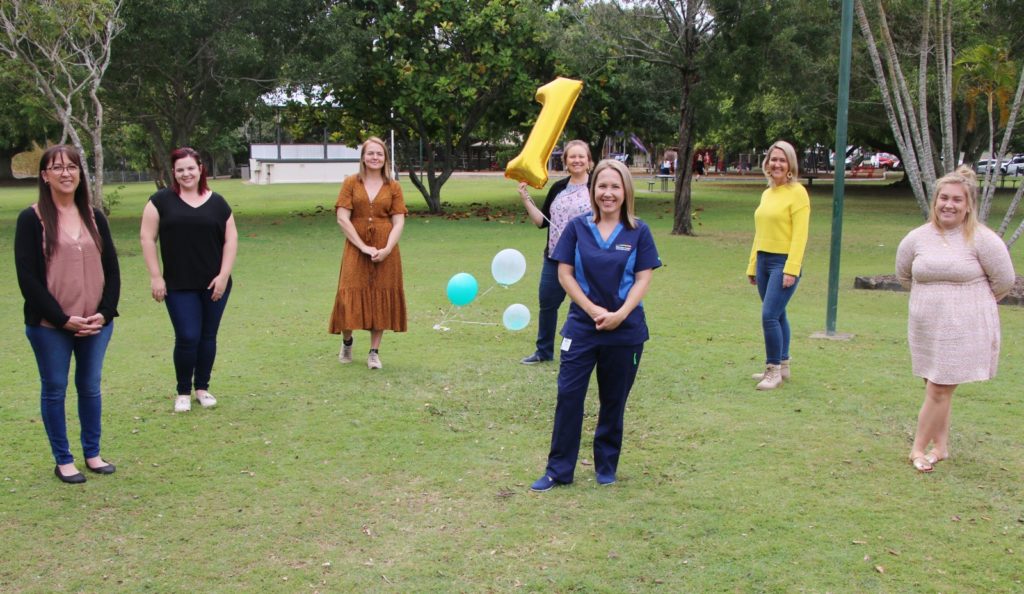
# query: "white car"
[[1014, 166]]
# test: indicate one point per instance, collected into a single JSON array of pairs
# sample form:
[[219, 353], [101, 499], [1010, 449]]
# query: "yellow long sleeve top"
[[780, 226]]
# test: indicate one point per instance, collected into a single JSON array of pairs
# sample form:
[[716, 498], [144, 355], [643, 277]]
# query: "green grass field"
[[314, 477]]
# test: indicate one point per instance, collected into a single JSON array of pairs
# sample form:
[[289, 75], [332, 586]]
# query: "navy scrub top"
[[606, 271]]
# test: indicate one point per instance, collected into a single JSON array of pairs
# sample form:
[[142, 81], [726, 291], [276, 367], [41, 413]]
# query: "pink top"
[[74, 274]]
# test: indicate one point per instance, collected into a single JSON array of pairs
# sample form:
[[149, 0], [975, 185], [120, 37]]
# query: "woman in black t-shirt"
[[198, 243]]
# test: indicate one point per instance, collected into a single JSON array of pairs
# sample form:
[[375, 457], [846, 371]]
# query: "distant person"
[[371, 295], [776, 259], [698, 166], [69, 276], [956, 270], [567, 199], [666, 167], [605, 263], [198, 244]]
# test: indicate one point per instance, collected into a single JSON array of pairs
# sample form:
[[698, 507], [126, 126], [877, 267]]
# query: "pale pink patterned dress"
[[953, 325]]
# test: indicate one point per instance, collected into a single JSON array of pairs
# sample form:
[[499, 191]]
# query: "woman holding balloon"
[[371, 213], [567, 199], [605, 262]]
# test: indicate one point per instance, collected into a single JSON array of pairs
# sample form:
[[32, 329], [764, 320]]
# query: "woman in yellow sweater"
[[776, 258]]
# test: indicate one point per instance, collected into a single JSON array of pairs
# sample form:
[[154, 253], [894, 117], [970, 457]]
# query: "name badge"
[[566, 343], [623, 247]]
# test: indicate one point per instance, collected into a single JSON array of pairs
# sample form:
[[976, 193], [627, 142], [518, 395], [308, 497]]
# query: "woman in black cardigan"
[[68, 273]]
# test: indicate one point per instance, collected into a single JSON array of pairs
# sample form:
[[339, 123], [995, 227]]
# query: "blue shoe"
[[605, 479], [533, 359], [544, 483]]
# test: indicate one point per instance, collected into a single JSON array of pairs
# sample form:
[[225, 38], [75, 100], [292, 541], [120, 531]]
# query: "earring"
[[789, 175]]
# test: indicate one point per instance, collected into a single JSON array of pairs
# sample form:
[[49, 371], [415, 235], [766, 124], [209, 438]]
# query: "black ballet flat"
[[74, 479], [105, 469]]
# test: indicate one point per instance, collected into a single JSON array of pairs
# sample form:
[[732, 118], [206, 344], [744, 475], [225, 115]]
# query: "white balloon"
[[516, 317], [508, 266]]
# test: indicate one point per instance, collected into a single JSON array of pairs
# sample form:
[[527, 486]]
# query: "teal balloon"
[[516, 317], [462, 289], [508, 266]]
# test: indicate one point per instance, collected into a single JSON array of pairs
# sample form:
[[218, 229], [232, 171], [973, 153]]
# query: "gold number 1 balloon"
[[558, 98]]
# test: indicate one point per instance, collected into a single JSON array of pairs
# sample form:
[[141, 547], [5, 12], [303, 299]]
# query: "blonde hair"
[[964, 176], [586, 149], [626, 216], [386, 170], [790, 152]]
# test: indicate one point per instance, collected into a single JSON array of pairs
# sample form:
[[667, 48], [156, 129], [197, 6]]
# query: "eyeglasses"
[[60, 169]]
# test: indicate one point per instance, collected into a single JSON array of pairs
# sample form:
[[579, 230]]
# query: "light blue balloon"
[[516, 316], [508, 266], [462, 289]]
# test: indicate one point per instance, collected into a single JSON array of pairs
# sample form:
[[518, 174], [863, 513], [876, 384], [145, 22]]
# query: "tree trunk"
[[682, 223]]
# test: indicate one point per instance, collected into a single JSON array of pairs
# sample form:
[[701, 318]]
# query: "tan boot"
[[772, 377], [785, 372]]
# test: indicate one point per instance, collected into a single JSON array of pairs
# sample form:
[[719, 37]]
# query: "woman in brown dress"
[[371, 213], [956, 270]]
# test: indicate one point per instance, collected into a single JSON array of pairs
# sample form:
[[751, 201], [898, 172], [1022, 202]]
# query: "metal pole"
[[839, 185]]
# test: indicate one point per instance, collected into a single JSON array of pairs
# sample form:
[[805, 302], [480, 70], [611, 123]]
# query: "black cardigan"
[[30, 263]]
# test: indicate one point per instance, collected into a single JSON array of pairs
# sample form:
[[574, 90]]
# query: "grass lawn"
[[310, 476]]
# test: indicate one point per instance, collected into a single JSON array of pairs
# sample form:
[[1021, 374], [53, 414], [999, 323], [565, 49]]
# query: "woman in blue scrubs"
[[605, 261]]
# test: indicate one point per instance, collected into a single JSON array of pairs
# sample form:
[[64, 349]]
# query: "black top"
[[553, 192], [30, 263], [191, 239]]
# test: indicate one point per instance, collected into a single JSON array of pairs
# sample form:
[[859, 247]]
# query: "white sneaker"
[[205, 399], [183, 403], [373, 361], [345, 354]]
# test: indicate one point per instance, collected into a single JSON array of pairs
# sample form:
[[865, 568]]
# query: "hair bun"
[[967, 173]]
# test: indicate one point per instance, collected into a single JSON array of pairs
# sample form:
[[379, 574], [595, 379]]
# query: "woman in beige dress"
[[956, 270]]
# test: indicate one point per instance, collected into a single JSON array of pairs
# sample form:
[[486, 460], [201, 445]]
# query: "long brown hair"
[[48, 210]]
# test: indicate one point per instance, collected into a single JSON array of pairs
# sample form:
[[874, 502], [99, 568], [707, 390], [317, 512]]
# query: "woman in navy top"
[[605, 265], [198, 243]]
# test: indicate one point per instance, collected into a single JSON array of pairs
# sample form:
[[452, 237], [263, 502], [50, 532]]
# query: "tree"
[[671, 35], [190, 72], [620, 95], [909, 100], [436, 71], [65, 46]]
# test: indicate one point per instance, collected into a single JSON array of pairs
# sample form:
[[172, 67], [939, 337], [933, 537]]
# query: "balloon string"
[[540, 211], [477, 323]]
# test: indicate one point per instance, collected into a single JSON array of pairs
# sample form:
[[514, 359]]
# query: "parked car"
[[983, 165], [886, 160], [1014, 166]]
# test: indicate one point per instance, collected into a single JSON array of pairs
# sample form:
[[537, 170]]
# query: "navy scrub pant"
[[616, 369]]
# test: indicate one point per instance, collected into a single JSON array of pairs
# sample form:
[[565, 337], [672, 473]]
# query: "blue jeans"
[[550, 294], [196, 319], [53, 349], [773, 305]]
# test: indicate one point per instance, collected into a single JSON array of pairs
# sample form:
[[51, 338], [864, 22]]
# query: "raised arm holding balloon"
[[567, 199], [605, 264], [371, 214]]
